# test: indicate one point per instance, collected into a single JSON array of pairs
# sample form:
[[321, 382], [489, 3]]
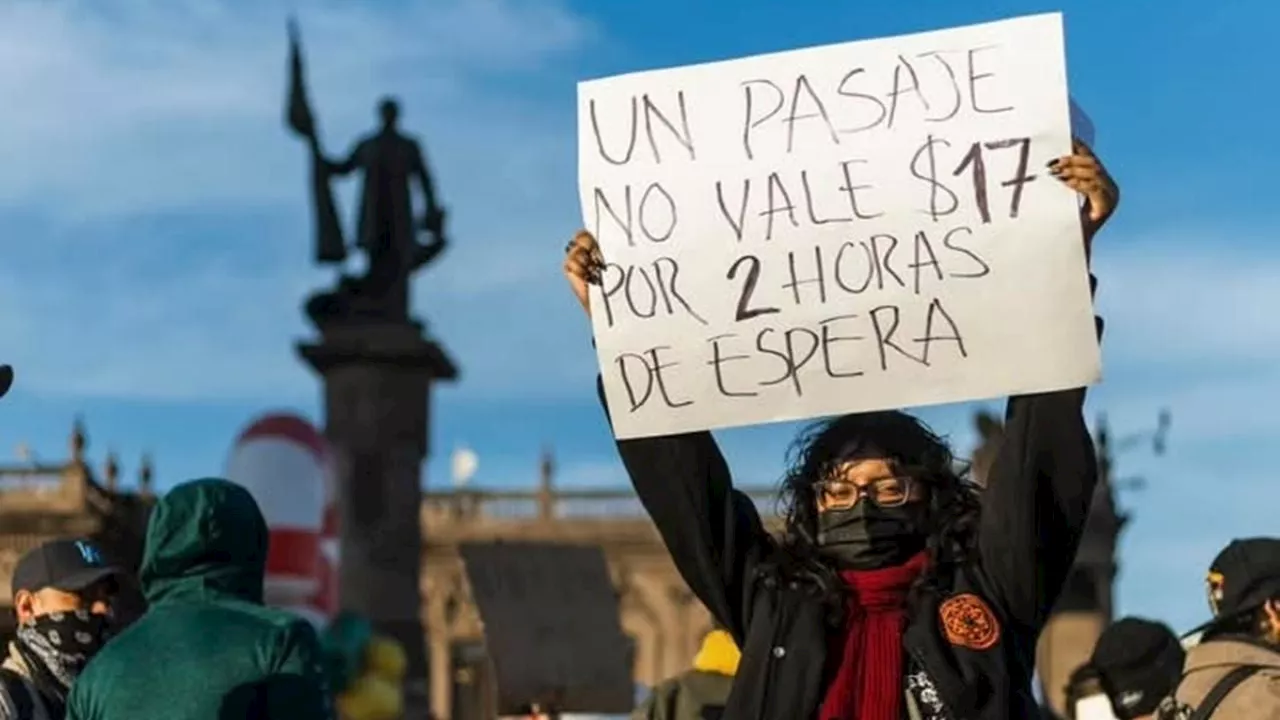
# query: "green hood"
[[206, 540]]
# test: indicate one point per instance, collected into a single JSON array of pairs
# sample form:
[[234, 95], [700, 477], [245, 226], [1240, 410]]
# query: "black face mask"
[[57, 646], [868, 537]]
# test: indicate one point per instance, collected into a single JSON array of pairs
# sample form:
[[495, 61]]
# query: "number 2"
[[748, 287]]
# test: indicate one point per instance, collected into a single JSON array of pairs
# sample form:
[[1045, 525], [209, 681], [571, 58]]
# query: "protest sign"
[[551, 627], [853, 227]]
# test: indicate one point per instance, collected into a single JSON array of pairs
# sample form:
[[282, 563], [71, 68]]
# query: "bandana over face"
[[57, 646]]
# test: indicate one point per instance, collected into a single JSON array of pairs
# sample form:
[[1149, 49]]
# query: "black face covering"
[[57, 646], [868, 537]]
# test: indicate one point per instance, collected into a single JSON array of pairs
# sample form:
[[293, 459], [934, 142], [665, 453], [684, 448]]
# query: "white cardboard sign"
[[846, 228]]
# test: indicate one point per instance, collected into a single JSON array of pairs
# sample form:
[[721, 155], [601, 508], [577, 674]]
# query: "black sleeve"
[[713, 532], [1038, 494], [349, 163], [15, 701]]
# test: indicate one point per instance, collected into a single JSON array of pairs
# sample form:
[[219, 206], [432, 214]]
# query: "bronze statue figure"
[[990, 434], [390, 162]]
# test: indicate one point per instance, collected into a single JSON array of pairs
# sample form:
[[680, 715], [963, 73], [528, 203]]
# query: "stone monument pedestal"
[[378, 376]]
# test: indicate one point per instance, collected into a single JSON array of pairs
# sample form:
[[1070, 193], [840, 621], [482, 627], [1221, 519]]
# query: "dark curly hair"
[[911, 448]]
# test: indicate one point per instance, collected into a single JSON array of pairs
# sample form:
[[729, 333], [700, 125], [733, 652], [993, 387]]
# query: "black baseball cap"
[[1243, 576], [67, 565], [1140, 662]]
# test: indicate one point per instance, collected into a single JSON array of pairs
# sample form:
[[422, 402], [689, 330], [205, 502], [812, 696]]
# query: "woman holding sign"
[[897, 590]]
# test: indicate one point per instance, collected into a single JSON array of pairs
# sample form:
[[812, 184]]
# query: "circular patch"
[[968, 622]]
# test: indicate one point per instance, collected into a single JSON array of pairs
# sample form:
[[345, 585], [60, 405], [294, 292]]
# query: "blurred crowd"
[[1229, 668], [190, 635], [203, 645]]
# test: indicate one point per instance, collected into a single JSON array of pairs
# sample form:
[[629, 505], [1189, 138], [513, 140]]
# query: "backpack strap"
[[1220, 691], [15, 687]]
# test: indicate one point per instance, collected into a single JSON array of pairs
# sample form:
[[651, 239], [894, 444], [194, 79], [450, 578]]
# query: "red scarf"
[[868, 685]]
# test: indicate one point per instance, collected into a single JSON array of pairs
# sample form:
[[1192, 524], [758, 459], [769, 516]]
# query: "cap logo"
[[1131, 698], [89, 553], [1215, 584]]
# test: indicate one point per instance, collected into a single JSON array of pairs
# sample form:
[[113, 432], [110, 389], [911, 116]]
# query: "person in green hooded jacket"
[[207, 648]]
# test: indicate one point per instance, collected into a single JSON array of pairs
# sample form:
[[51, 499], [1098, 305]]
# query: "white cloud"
[[1225, 404], [1188, 299], [125, 338], [174, 111], [155, 104], [1191, 327]]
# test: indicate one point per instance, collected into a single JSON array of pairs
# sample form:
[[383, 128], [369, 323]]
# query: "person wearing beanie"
[[1233, 673], [1139, 663], [699, 693]]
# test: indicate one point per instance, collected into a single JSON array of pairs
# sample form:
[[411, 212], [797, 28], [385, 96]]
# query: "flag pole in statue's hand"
[[298, 109], [330, 246]]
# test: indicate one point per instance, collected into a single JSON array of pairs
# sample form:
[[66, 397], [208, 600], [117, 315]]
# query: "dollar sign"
[[926, 153]]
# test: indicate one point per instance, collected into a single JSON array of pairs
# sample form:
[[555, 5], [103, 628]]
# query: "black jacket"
[[970, 652]]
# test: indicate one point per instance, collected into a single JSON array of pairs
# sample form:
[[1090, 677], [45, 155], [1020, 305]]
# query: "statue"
[[390, 163], [990, 434]]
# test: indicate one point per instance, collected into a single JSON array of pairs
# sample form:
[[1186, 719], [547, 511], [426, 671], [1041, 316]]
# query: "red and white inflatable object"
[[285, 462], [325, 599]]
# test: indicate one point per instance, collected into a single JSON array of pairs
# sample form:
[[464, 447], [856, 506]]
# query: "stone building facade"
[[662, 618], [41, 501]]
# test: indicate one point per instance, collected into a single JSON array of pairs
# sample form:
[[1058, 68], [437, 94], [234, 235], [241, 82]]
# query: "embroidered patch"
[[968, 622]]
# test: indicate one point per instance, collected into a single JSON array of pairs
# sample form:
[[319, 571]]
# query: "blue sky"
[[154, 226]]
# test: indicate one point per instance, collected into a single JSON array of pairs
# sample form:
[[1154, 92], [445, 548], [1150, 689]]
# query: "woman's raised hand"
[[1083, 172], [582, 265]]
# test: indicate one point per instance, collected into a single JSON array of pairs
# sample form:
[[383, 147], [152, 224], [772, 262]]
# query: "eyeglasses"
[[882, 492]]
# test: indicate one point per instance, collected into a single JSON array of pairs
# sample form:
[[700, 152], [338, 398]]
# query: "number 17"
[[974, 158]]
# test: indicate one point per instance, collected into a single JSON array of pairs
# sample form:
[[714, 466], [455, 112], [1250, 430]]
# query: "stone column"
[[438, 589], [377, 387], [441, 676]]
